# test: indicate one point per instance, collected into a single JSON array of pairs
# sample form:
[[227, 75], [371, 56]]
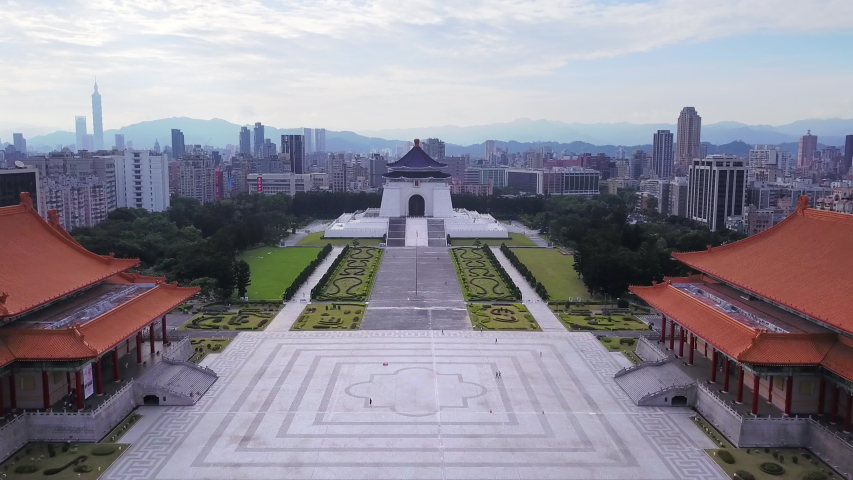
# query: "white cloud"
[[357, 64]]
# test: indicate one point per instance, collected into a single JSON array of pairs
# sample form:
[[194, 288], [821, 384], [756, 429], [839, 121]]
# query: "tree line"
[[525, 272]]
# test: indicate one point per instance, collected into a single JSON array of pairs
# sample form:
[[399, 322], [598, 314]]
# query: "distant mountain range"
[[517, 135]]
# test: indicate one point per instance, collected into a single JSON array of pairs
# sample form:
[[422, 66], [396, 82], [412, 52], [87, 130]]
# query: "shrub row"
[[329, 273], [525, 272], [510, 285], [300, 279]]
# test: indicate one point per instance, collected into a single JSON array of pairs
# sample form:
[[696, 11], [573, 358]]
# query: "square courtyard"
[[415, 404]]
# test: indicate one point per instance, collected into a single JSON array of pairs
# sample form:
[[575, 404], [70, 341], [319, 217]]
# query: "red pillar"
[[13, 396], [68, 382], [833, 414], [2, 408], [739, 384], [770, 391], [672, 334], [139, 347], [78, 378], [165, 335], [692, 348], [99, 385], [821, 394], [663, 328], [681, 342], [848, 413], [116, 368], [789, 393], [713, 365], [151, 337], [726, 374], [756, 385], [45, 389]]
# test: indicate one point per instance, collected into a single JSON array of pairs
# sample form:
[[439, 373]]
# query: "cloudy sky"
[[370, 64]]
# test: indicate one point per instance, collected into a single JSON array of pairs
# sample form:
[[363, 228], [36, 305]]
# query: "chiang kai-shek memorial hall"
[[772, 315], [68, 315]]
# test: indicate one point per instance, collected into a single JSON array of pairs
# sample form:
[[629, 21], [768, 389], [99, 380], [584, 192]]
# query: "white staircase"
[[417, 232], [645, 381], [177, 383]]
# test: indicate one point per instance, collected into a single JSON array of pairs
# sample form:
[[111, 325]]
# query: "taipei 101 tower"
[[97, 119]]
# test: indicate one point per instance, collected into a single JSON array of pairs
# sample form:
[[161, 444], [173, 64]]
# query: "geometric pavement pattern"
[[416, 404]]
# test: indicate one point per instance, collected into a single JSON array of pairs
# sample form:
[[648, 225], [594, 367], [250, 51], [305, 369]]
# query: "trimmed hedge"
[[300, 279], [513, 288], [525, 272], [329, 273]]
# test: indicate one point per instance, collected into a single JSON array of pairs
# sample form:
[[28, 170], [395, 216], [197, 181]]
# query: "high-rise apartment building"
[[320, 140], [156, 146], [766, 162], [308, 137], [15, 181], [662, 155], [20, 143], [89, 142], [635, 164], [80, 130], [294, 147], [97, 119], [377, 166], [258, 144], [270, 149], [716, 190], [245, 147], [120, 141], [689, 143], [489, 154], [434, 148], [847, 161], [179, 149], [806, 149], [197, 178], [336, 167], [142, 180]]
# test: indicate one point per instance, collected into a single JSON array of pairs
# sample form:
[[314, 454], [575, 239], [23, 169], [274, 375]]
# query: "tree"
[[207, 285], [242, 277]]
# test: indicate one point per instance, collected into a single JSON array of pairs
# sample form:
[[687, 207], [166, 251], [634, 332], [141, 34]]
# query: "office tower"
[[142, 180], [716, 189], [308, 136], [319, 139], [662, 154], [806, 149], [269, 148], [377, 166], [258, 145], [294, 147], [490, 152], [336, 169], [97, 119], [245, 141], [196, 178], [89, 142], [767, 162], [80, 129], [120, 141], [434, 148], [17, 180], [19, 142], [178, 147], [689, 137], [847, 160], [635, 164], [156, 146]]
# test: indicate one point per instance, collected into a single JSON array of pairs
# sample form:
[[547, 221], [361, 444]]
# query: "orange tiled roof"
[[98, 335], [797, 263], [728, 335], [40, 262], [788, 348], [839, 359]]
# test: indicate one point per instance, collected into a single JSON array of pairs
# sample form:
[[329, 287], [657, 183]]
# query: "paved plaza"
[[415, 404], [439, 304]]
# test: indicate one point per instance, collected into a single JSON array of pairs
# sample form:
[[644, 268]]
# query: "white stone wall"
[[396, 195]]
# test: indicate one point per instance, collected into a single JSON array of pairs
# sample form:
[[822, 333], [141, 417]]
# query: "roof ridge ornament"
[[53, 219], [417, 143], [26, 200], [802, 204], [3, 297]]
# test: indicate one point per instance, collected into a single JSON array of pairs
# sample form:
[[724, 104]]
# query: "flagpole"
[[416, 263]]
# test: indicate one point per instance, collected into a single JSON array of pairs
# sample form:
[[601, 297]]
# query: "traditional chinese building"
[[67, 315], [773, 313]]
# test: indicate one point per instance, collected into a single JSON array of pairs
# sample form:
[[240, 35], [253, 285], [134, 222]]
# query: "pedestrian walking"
[[540, 353], [370, 401], [496, 340]]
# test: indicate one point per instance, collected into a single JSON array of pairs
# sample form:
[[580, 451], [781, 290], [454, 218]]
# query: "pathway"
[[417, 233], [516, 227], [315, 226], [538, 307], [285, 318]]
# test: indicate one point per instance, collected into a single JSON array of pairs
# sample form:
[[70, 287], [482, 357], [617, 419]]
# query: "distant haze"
[[374, 65]]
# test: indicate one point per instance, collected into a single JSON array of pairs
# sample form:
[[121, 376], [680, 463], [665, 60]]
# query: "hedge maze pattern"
[[352, 277], [482, 277]]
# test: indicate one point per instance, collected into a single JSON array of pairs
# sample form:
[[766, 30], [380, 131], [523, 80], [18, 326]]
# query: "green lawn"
[[509, 316], [555, 271], [613, 323], [203, 346], [330, 316], [626, 345], [789, 463], [86, 461], [248, 317], [274, 269], [353, 278], [478, 277], [316, 238], [514, 240]]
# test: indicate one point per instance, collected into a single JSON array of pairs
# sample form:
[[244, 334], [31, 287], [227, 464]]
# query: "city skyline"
[[541, 66]]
